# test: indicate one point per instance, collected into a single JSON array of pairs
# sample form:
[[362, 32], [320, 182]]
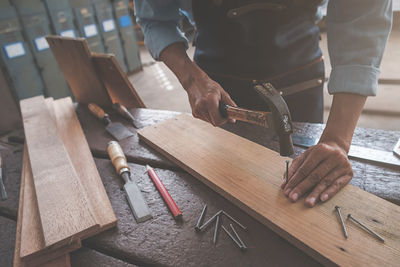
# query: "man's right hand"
[[204, 93]]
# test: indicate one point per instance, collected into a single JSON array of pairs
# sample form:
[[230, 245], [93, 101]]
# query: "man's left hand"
[[321, 170]]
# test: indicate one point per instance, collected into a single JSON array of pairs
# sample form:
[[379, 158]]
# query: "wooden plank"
[[115, 80], [33, 248], [65, 212], [250, 175], [78, 150], [74, 58], [49, 260]]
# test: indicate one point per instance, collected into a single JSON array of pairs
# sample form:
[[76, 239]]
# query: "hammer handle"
[[241, 114], [99, 113]]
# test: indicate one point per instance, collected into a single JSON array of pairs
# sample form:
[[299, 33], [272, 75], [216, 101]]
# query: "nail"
[[235, 221], [238, 237], [197, 227], [231, 236], [337, 208], [210, 220], [287, 171], [324, 197], [216, 230], [312, 200], [287, 191], [294, 196], [366, 228]]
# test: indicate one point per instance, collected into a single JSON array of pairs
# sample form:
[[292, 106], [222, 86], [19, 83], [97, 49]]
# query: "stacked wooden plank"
[[250, 176], [62, 197]]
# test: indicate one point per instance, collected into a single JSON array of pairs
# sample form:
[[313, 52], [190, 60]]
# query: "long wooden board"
[[78, 150], [250, 176], [60, 259], [65, 212], [74, 58]]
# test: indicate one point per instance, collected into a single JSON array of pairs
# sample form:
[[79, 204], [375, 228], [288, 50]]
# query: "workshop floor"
[[160, 89]]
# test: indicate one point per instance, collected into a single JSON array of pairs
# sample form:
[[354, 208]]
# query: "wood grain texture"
[[78, 150], [27, 213], [74, 58], [115, 80], [250, 175], [65, 212]]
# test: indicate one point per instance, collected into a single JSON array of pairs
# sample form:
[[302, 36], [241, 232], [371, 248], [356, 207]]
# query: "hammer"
[[278, 119]]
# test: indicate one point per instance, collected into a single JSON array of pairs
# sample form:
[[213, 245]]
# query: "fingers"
[[312, 160], [296, 163], [335, 187]]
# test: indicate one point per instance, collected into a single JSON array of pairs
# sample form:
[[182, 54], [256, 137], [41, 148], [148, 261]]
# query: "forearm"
[[175, 57], [343, 117]]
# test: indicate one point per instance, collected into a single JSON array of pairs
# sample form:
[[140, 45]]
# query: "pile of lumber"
[[62, 198]]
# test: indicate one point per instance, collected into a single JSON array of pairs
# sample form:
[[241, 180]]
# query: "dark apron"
[[239, 41]]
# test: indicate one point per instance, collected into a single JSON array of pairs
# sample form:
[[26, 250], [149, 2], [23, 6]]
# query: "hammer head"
[[282, 122]]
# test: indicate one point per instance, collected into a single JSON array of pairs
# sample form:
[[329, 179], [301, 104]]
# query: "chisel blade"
[[118, 131], [137, 202]]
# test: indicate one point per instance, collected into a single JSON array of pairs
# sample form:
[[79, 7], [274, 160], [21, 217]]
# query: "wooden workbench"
[[164, 242]]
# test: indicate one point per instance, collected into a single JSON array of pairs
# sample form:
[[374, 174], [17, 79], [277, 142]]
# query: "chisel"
[[3, 192], [135, 198], [116, 129], [122, 110]]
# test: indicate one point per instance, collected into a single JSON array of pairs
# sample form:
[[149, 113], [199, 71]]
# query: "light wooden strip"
[[116, 81], [250, 176], [64, 210], [77, 147], [26, 209]]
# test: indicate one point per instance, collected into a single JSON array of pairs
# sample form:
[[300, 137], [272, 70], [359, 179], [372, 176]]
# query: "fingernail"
[[295, 196], [287, 191], [312, 200], [324, 197]]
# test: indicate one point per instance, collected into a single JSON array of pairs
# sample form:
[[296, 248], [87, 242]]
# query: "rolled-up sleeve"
[[357, 34], [159, 22]]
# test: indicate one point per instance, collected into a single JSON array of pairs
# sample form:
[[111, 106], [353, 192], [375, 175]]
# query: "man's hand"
[[324, 169], [204, 93]]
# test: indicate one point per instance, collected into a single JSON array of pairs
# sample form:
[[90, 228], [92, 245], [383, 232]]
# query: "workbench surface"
[[163, 241]]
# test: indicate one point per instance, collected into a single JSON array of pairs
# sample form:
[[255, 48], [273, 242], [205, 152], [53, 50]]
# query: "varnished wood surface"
[[74, 58], [65, 212], [249, 175]]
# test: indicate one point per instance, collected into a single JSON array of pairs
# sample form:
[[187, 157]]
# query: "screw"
[[366, 228], [337, 208], [287, 171], [216, 229], [238, 237], [238, 223], [197, 227], [231, 236], [210, 220]]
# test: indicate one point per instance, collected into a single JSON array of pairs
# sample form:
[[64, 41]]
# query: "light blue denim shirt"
[[357, 34]]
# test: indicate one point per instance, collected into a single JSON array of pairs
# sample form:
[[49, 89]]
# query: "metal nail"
[[287, 171], [337, 208], [197, 227], [231, 236], [363, 226], [210, 221], [238, 223], [216, 229], [238, 237]]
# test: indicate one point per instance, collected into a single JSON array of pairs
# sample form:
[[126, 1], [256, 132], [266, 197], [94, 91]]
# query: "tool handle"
[[241, 114], [121, 109], [117, 157], [99, 113], [164, 193]]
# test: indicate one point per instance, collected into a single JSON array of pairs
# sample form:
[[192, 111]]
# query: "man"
[[240, 41]]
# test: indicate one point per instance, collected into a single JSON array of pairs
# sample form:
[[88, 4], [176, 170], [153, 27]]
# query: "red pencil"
[[164, 193]]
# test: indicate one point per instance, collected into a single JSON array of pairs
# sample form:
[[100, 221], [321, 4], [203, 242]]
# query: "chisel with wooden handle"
[[135, 198], [116, 129], [123, 111]]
